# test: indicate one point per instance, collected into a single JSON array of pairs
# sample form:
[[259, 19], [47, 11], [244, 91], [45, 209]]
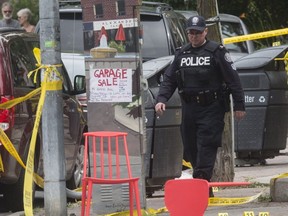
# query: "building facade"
[[117, 19]]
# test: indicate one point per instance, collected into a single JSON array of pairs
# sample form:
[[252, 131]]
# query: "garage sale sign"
[[110, 85]]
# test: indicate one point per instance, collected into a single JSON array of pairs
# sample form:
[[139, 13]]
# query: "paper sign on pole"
[[110, 85]]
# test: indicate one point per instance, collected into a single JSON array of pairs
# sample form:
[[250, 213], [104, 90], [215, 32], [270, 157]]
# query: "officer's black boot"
[[202, 175], [211, 194]]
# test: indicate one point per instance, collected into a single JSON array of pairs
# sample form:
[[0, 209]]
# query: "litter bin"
[[263, 132], [164, 153]]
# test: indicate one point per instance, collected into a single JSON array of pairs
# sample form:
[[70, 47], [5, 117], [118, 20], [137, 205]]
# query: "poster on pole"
[[110, 85]]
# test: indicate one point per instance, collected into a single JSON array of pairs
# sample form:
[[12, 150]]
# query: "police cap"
[[196, 23]]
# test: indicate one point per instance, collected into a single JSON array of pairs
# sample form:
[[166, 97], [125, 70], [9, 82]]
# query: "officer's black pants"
[[201, 130]]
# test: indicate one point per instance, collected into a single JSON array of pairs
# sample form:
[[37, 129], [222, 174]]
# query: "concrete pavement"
[[260, 175]]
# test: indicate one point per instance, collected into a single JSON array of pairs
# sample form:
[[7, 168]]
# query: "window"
[[155, 41], [22, 64], [120, 8], [230, 29], [98, 11], [176, 33]]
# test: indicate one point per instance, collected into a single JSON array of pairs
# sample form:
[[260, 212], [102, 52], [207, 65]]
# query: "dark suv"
[[17, 59], [163, 30]]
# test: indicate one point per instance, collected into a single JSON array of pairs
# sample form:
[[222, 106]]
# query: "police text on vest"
[[195, 61]]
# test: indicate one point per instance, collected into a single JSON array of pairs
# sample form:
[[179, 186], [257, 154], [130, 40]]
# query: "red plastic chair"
[[106, 147], [186, 197]]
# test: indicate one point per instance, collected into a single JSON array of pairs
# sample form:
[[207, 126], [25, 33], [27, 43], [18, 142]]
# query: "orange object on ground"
[[186, 197], [106, 147]]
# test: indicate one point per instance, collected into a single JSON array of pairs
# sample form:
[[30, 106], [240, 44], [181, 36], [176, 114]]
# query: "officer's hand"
[[160, 108], [239, 115]]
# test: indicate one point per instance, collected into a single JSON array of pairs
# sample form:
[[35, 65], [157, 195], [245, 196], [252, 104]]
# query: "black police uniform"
[[200, 75]]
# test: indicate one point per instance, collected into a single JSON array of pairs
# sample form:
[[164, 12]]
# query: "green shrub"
[[119, 46]]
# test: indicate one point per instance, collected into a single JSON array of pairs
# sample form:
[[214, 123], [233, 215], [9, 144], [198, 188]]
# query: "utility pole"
[[52, 118], [224, 166]]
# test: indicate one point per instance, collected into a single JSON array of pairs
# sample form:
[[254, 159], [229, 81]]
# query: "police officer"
[[202, 71]]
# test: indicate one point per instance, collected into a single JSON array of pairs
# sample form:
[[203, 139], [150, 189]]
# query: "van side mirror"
[[79, 84]]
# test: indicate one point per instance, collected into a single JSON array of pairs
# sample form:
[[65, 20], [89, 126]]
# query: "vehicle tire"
[[76, 179], [13, 193]]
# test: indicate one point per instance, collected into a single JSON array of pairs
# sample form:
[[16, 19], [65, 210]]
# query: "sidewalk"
[[260, 175], [274, 208], [257, 206]]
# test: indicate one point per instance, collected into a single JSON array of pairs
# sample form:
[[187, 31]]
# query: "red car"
[[16, 60]]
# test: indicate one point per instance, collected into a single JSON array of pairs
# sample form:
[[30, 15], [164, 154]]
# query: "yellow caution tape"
[[127, 213], [1, 165], [282, 59], [223, 201], [285, 59], [186, 164], [48, 84], [9, 104], [11, 149], [158, 211], [213, 201], [146, 212], [284, 175], [255, 36], [6, 141]]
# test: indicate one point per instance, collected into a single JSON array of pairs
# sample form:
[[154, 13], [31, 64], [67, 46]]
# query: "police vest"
[[197, 68]]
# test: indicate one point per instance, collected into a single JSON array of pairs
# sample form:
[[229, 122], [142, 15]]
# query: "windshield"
[[178, 33], [154, 45], [230, 29]]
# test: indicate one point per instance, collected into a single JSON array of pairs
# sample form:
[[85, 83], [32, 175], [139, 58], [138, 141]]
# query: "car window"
[[155, 42], [23, 61], [230, 29], [66, 82], [177, 33], [22, 64], [71, 32]]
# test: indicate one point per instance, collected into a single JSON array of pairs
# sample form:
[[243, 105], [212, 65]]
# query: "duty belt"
[[202, 98]]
